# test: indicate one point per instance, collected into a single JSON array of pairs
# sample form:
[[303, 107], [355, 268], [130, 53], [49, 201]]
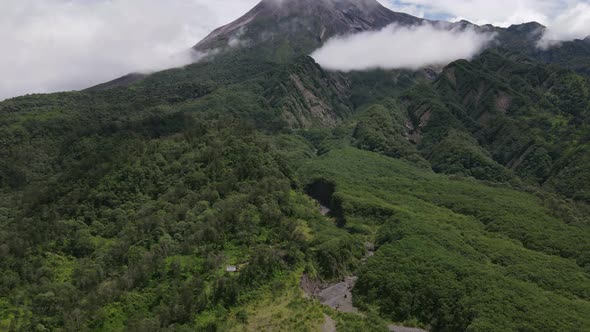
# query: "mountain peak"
[[303, 25], [527, 27], [287, 3]]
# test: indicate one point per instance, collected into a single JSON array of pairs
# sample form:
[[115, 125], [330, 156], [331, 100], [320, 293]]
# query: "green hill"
[[122, 206]]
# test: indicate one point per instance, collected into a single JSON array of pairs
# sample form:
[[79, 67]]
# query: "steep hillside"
[[519, 114], [571, 54], [182, 200]]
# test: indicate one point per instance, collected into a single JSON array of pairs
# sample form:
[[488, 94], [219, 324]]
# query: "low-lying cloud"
[[401, 47], [57, 45], [565, 19], [572, 23]]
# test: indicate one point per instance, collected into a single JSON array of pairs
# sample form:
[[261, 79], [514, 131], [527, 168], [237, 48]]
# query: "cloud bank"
[[573, 23], [57, 45], [397, 47], [565, 19], [498, 12]]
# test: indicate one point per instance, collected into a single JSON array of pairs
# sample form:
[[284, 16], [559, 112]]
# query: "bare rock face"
[[303, 24], [310, 96]]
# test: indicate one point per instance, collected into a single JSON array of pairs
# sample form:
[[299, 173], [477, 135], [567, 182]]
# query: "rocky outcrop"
[[309, 96]]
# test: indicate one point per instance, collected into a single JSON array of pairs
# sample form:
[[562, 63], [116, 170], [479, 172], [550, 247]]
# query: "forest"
[[122, 207]]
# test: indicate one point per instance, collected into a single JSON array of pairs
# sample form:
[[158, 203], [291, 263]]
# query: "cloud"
[[397, 47], [57, 45], [565, 19], [573, 23], [498, 12]]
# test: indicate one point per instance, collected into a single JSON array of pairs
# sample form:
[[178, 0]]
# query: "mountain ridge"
[[309, 24], [302, 26]]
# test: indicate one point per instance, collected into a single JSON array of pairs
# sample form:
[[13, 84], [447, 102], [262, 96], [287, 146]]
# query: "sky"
[[497, 12], [59, 45]]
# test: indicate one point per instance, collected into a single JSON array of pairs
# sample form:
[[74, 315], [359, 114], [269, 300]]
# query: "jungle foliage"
[[122, 206]]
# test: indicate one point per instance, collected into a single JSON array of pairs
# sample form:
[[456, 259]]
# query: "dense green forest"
[[458, 254], [122, 206]]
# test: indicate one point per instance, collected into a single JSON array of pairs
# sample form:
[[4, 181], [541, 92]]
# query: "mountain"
[[570, 54], [521, 37], [255, 190], [280, 30], [299, 27]]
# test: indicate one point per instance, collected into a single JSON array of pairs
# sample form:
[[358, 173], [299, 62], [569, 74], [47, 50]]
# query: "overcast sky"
[[56, 45]]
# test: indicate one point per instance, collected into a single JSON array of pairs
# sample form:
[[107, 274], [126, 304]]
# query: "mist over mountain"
[[108, 43], [287, 29], [398, 47], [305, 24], [326, 165], [71, 45]]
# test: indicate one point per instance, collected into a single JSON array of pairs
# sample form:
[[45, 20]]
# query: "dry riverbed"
[[338, 296]]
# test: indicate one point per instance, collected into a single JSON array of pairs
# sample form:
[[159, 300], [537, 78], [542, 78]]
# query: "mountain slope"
[[128, 207], [523, 115]]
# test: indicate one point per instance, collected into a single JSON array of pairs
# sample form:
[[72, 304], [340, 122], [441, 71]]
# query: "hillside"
[[189, 199]]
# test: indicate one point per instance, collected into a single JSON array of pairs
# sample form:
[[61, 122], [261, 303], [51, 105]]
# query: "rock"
[[339, 296]]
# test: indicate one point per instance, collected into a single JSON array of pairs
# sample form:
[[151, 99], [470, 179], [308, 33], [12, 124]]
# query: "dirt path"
[[329, 324]]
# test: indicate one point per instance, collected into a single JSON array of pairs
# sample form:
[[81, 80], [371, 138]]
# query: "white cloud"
[[565, 19], [56, 45], [497, 12], [573, 23], [398, 47]]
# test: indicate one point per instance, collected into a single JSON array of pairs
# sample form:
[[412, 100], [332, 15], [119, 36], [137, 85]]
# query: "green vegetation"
[[458, 255], [504, 118], [122, 206], [124, 216]]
